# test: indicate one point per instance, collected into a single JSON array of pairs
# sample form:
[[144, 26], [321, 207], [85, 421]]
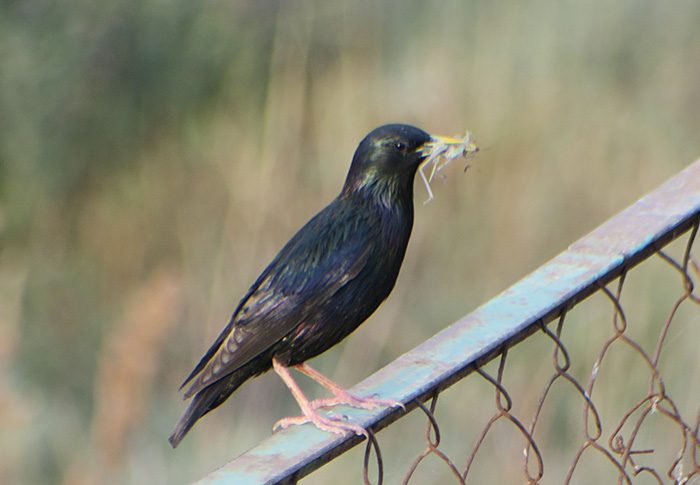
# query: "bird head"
[[389, 153], [386, 161]]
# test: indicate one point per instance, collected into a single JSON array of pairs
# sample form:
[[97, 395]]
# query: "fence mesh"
[[619, 437], [606, 388]]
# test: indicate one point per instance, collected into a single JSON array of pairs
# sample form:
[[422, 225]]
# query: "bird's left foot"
[[342, 396]]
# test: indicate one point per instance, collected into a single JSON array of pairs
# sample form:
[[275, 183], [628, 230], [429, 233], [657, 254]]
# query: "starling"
[[327, 280]]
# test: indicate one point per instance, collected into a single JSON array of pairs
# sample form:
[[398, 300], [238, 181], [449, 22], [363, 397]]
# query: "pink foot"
[[310, 409], [331, 425], [343, 397]]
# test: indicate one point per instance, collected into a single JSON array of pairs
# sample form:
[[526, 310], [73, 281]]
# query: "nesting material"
[[440, 152]]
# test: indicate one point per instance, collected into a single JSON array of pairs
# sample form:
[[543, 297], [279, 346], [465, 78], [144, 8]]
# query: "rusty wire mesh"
[[625, 437]]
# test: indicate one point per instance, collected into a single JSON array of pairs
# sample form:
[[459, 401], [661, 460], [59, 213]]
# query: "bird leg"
[[341, 395], [332, 425]]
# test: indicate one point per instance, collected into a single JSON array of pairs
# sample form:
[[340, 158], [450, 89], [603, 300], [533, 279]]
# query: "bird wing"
[[304, 273]]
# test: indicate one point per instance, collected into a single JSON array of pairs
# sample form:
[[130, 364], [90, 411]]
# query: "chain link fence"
[[618, 442], [606, 389]]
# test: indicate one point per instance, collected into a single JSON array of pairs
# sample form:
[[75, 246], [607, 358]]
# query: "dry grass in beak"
[[440, 151]]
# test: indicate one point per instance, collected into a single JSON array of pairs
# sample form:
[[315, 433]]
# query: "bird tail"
[[206, 400]]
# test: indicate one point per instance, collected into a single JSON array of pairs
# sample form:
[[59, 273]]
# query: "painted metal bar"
[[619, 244]]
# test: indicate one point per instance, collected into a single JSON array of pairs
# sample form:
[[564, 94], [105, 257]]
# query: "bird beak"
[[449, 147]]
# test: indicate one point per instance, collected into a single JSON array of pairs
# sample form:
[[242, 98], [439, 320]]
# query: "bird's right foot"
[[344, 397], [324, 423]]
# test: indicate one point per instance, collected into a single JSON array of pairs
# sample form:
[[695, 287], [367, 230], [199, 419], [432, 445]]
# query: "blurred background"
[[155, 156]]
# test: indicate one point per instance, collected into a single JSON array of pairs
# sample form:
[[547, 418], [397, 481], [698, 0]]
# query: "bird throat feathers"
[[375, 185]]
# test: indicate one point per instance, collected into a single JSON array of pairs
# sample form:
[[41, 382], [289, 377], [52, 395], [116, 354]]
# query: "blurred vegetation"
[[155, 155]]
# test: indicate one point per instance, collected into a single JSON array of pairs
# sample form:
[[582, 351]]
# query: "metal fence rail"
[[589, 266]]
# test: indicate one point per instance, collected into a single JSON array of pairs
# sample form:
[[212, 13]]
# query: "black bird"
[[327, 280]]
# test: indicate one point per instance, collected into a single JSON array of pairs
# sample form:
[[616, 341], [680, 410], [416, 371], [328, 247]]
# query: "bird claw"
[[348, 399], [338, 423], [388, 402], [330, 425]]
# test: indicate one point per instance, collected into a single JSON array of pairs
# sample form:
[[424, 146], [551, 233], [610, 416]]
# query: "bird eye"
[[400, 146]]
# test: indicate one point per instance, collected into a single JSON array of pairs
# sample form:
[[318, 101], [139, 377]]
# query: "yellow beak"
[[450, 147]]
